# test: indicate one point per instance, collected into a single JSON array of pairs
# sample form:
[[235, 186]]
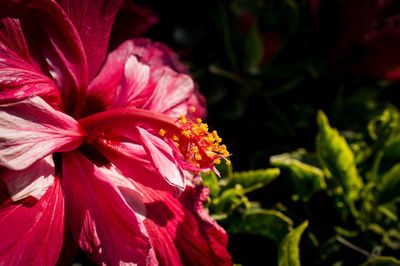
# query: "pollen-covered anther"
[[217, 161], [162, 132], [199, 146], [183, 119]]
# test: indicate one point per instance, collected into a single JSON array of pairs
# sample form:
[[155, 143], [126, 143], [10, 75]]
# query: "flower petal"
[[163, 159], [55, 45], [133, 83], [134, 161], [156, 54], [32, 231], [93, 20], [144, 158], [101, 220], [181, 231], [128, 191], [31, 129], [166, 90], [34, 181], [19, 78], [171, 90]]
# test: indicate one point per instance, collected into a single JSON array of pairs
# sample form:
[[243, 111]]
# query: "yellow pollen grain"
[[195, 149], [183, 119], [198, 120], [195, 129], [210, 139], [186, 133], [162, 132], [198, 157], [175, 138], [204, 127], [192, 109], [228, 162], [217, 161]]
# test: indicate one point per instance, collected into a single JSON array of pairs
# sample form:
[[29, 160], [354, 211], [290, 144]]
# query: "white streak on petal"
[[33, 181]]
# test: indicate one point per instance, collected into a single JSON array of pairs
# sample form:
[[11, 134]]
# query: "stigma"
[[201, 148]]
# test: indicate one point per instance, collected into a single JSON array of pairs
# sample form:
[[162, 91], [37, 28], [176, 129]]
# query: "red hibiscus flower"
[[369, 35], [99, 152]]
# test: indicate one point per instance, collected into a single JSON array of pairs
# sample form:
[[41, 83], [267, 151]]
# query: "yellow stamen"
[[199, 146], [186, 133], [217, 161], [183, 119], [195, 149], [162, 132]]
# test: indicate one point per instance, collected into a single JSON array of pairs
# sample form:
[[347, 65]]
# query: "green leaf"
[[229, 200], [383, 126], [337, 158], [289, 252], [344, 232], [382, 261], [254, 179], [225, 169], [211, 181], [392, 149], [271, 224], [254, 49], [308, 178], [387, 212], [385, 130], [390, 188]]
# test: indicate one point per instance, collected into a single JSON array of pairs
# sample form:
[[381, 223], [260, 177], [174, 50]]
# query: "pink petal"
[[134, 161], [93, 20], [101, 220], [12, 38], [149, 84], [32, 231], [55, 45], [156, 54], [19, 79], [31, 129], [133, 83], [33, 181], [169, 90], [163, 159], [132, 197], [181, 231]]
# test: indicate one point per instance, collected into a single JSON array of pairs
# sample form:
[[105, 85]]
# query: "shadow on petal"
[[159, 213]]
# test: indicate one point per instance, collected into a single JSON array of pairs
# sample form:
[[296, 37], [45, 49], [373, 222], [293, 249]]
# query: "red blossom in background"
[[132, 20], [92, 146], [369, 36]]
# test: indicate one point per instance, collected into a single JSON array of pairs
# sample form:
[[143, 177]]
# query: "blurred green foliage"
[[365, 209]]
